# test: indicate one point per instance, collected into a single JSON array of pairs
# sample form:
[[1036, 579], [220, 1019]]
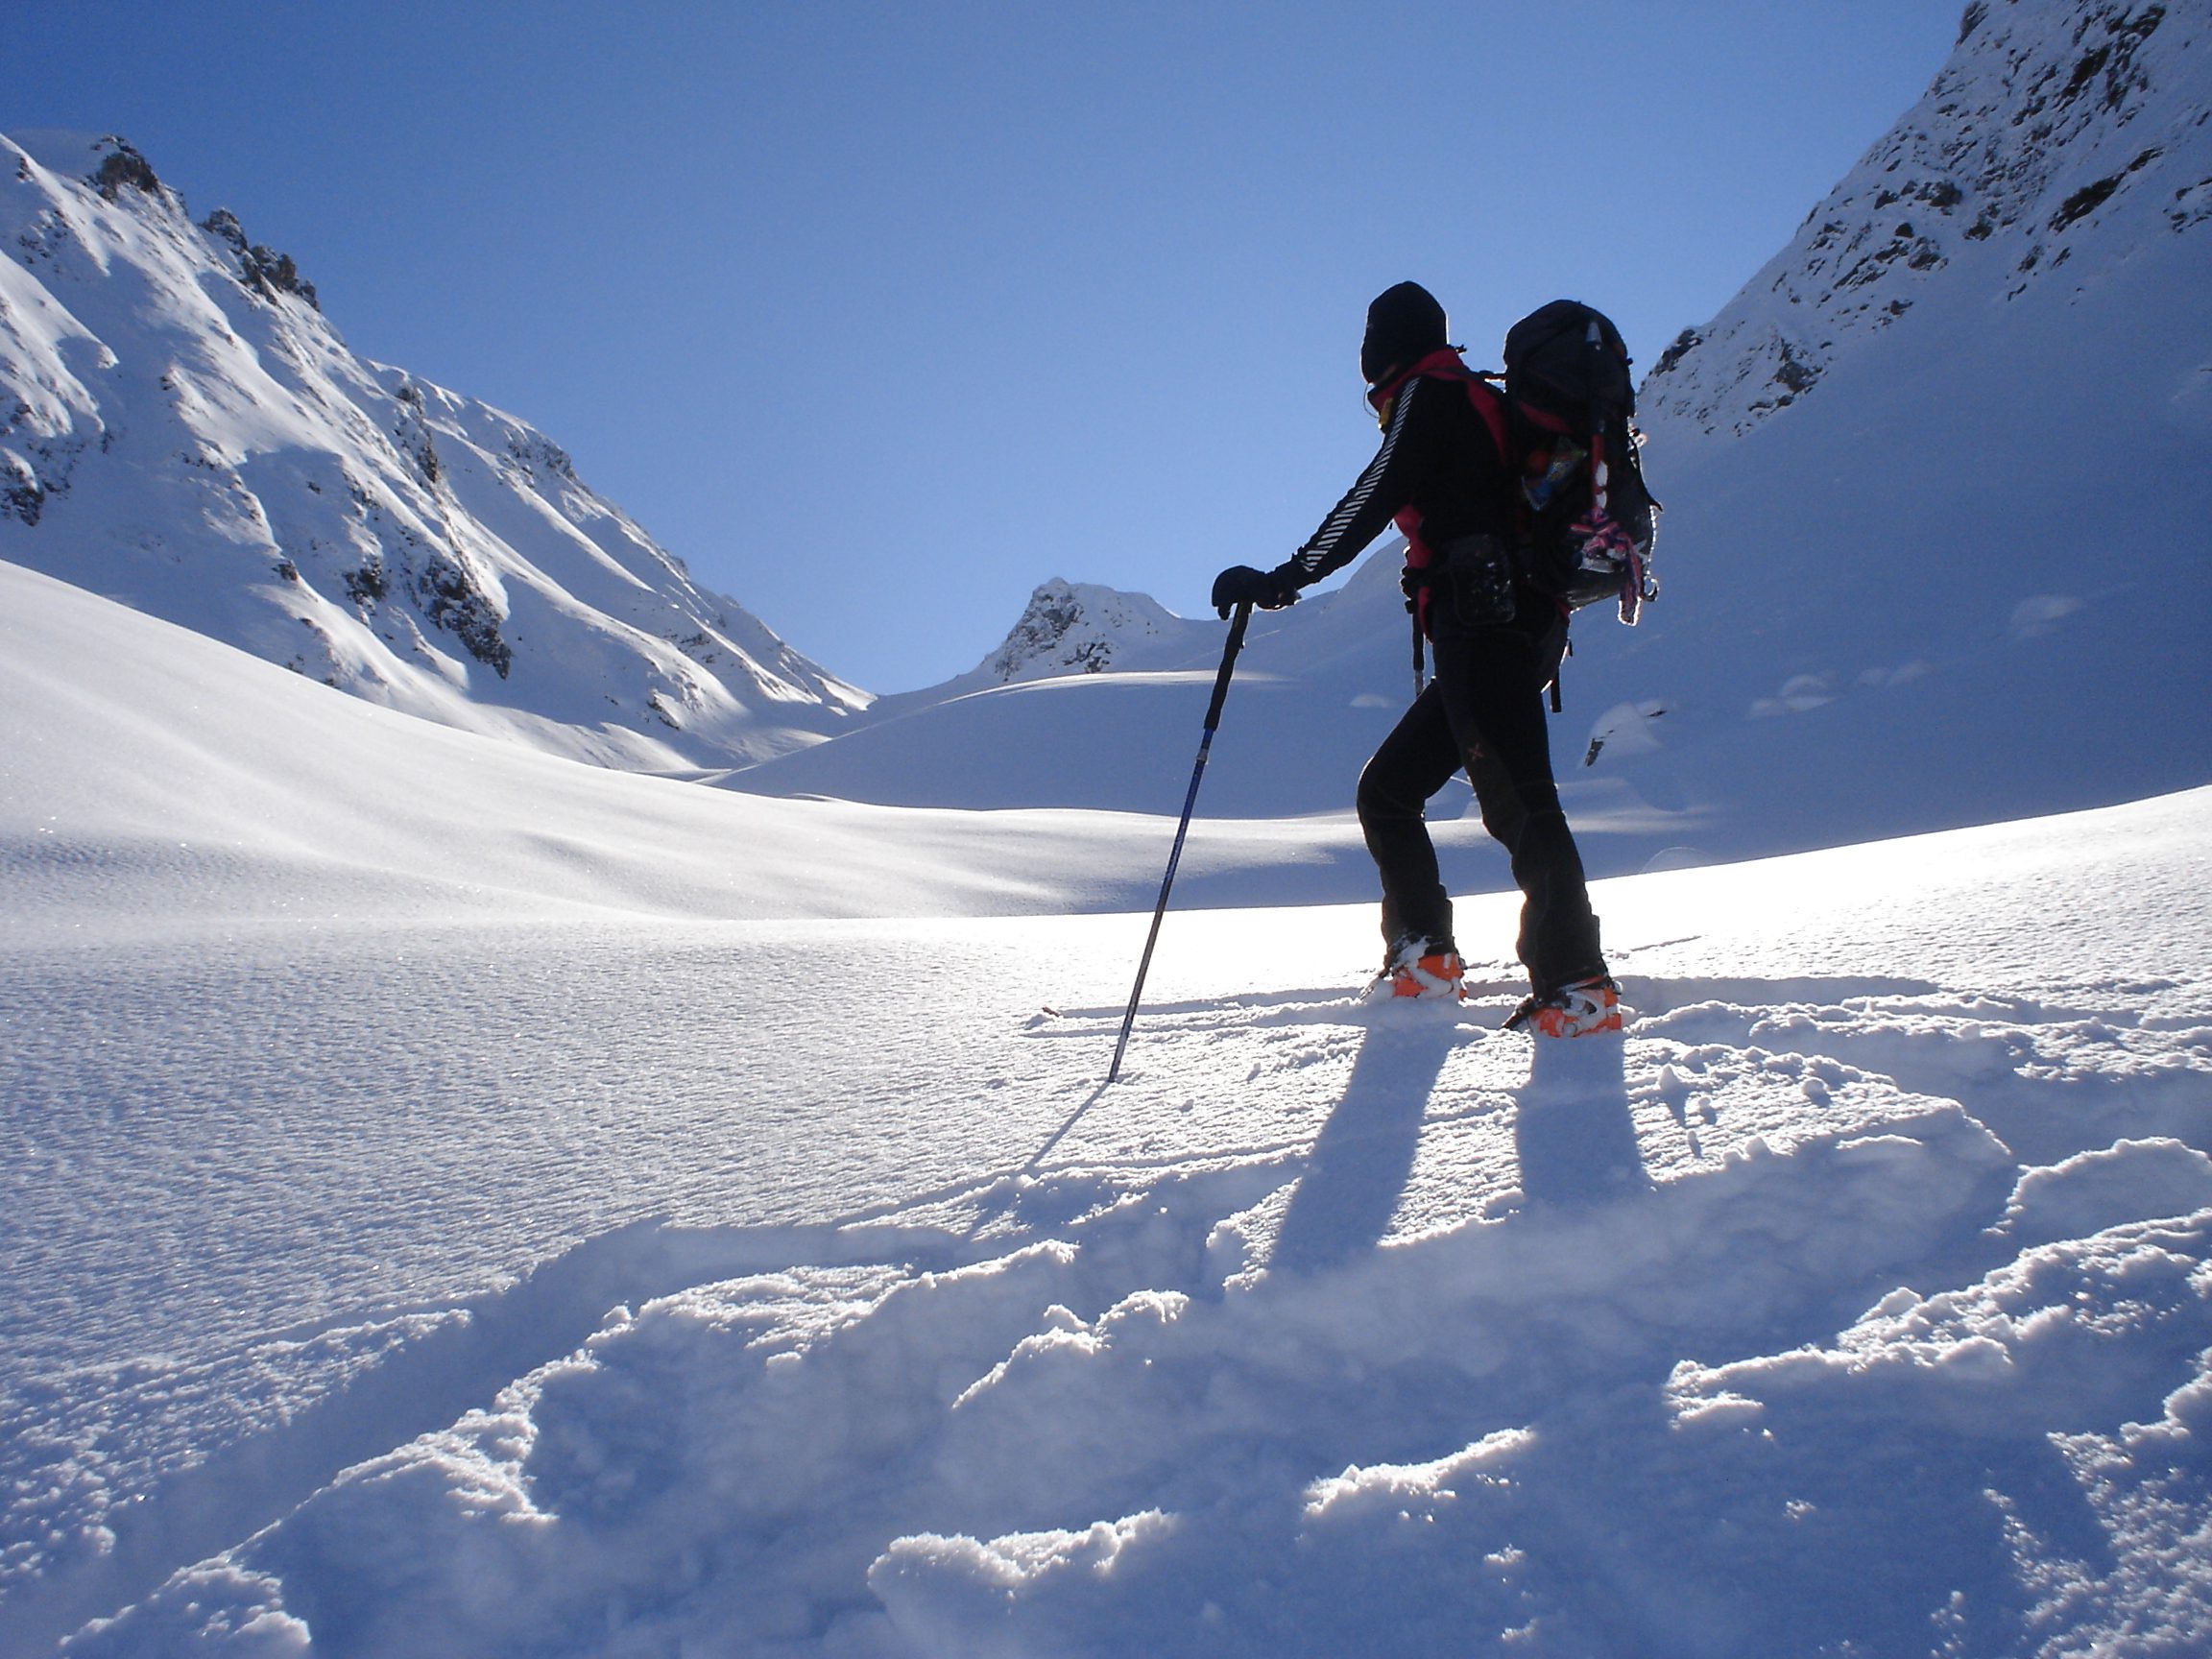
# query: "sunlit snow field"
[[461, 1202]]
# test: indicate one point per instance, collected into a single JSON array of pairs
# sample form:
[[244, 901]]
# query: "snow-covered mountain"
[[1068, 628], [2057, 135], [180, 427], [1082, 628], [1317, 687], [1962, 572], [1935, 547]]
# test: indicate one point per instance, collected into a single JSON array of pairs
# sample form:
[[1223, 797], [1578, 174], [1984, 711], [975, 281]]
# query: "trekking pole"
[[1190, 801]]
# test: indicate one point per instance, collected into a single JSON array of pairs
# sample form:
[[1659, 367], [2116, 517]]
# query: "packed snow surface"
[[458, 1201]]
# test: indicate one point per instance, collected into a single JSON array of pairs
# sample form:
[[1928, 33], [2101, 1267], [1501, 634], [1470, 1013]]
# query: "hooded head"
[[1403, 325]]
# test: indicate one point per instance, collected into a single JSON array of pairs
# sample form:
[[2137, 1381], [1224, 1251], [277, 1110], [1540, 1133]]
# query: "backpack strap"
[[1490, 404], [1487, 399]]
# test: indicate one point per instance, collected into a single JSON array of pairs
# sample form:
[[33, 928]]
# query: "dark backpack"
[[1587, 521]]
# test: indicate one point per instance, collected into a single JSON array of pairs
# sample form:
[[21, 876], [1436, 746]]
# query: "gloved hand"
[[1241, 584]]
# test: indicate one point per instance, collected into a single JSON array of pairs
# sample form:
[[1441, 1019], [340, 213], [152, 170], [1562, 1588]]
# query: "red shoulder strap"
[[1492, 408], [1488, 402]]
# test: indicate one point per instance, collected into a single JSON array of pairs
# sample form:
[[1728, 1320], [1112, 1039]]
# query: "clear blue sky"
[[881, 314]]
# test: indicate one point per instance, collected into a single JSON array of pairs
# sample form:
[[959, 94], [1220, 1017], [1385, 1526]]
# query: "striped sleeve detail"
[[1315, 559]]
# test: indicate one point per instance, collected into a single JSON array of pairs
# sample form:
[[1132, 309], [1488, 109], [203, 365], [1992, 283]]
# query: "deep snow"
[[428, 1239]]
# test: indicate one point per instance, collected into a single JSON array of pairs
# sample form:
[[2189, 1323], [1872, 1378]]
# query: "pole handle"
[[1236, 626]]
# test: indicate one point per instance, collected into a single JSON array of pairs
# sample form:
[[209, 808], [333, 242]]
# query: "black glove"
[[1414, 583], [1241, 584]]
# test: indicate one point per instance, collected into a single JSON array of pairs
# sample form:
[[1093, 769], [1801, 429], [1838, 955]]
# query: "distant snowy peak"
[[181, 428], [2055, 125], [1081, 628]]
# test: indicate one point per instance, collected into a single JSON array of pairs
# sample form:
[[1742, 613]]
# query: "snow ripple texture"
[[593, 1287]]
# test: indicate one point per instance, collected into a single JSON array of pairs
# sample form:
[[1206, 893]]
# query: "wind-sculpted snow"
[[607, 1285], [251, 798]]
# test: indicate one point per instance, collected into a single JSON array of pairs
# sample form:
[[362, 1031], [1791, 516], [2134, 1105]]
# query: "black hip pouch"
[[1478, 578]]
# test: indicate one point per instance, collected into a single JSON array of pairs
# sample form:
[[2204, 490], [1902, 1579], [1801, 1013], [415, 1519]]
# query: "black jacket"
[[1438, 457]]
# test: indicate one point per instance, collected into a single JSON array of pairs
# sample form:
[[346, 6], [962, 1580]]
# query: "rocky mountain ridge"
[[1084, 628], [182, 428], [2050, 122]]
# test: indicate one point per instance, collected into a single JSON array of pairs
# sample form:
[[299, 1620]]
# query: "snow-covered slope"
[[181, 428], [458, 1201], [1316, 690], [264, 800], [1956, 573], [1962, 574], [427, 1245]]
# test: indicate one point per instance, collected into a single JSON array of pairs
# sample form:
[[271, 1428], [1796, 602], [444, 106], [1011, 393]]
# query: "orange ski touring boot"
[[1585, 1008], [1426, 968]]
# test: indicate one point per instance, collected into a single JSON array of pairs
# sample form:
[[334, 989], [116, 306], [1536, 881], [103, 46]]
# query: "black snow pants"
[[1483, 711]]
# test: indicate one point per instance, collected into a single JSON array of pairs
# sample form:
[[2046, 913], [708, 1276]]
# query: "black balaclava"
[[1403, 325]]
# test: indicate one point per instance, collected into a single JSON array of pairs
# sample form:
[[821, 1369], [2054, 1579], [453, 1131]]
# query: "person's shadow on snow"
[[1574, 1133], [1360, 1161]]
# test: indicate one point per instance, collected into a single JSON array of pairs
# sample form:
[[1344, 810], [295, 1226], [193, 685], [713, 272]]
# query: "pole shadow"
[[1364, 1156]]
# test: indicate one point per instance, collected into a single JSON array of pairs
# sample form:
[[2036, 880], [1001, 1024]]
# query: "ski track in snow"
[[1858, 1296]]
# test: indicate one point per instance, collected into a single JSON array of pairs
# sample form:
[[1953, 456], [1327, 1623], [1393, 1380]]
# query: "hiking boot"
[[1428, 968], [1583, 1009]]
